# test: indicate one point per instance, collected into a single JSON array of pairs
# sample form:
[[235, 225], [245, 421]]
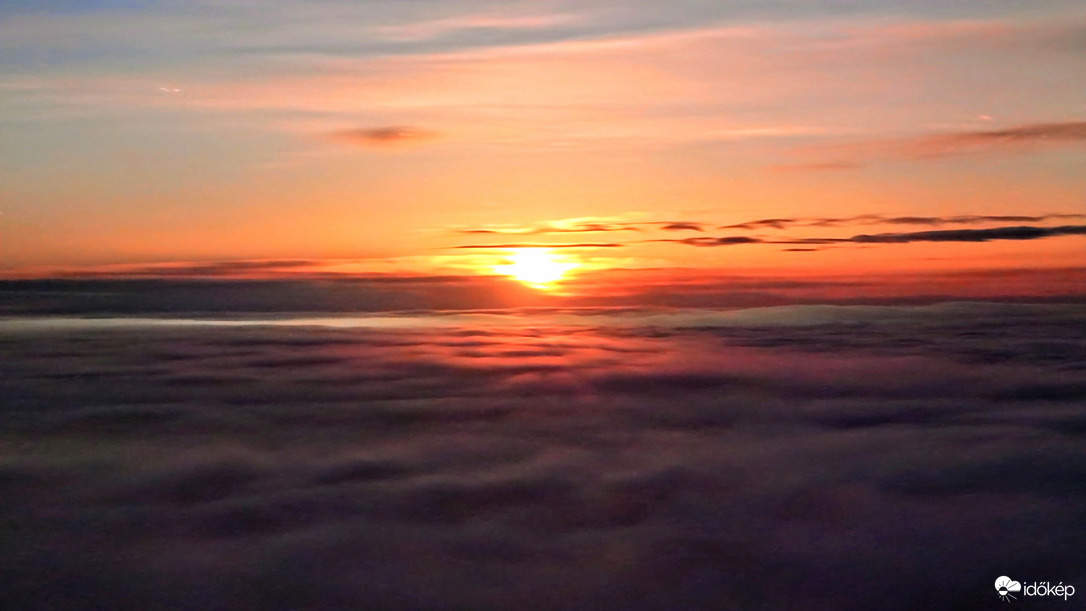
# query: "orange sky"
[[889, 138]]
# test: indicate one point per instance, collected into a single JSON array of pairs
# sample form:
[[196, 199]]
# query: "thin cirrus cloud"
[[1039, 134], [584, 226], [1015, 139], [641, 71]]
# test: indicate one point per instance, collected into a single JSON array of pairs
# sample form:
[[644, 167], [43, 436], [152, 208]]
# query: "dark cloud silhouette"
[[383, 136], [771, 223], [724, 241], [971, 219], [682, 226], [878, 219], [763, 224], [628, 460], [1023, 232]]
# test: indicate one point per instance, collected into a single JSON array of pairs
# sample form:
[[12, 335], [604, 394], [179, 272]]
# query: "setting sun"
[[537, 267]]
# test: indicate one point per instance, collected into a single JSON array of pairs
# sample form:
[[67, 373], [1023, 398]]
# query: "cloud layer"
[[787, 458], [648, 228], [222, 289]]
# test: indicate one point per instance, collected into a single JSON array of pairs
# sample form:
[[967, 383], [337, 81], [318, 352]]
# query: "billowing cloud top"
[[815, 457]]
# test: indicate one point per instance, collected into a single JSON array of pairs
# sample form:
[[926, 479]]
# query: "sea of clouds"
[[812, 457]]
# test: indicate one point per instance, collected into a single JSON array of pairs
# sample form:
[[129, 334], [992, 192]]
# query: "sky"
[[576, 148]]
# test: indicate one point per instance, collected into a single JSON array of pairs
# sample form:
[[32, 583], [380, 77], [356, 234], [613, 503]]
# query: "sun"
[[538, 268]]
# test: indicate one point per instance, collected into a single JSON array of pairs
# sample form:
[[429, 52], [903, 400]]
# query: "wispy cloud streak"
[[585, 226], [1014, 139], [878, 219], [1021, 232]]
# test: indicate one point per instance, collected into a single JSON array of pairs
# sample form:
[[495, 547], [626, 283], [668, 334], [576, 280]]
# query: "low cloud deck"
[[785, 458]]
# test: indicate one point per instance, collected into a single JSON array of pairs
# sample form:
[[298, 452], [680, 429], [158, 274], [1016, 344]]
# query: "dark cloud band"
[[1024, 232]]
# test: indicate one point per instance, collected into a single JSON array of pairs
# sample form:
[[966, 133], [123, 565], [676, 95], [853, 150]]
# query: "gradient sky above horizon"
[[429, 136]]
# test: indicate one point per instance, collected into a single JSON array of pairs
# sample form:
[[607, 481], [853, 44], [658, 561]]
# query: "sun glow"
[[538, 268]]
